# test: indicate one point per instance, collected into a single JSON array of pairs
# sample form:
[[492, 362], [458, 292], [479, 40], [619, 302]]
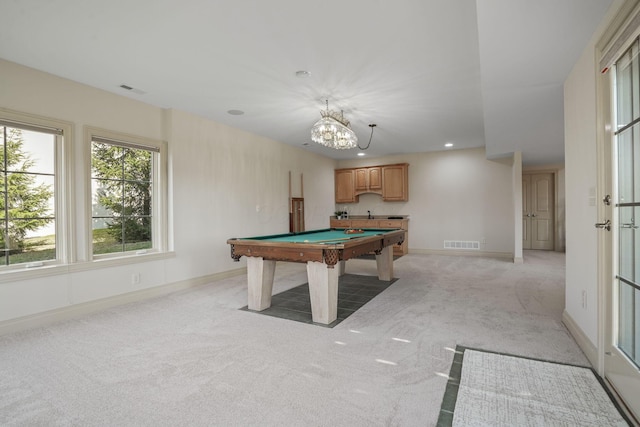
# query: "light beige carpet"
[[194, 358]]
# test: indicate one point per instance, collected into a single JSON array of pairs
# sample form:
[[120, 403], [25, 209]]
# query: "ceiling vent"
[[132, 89]]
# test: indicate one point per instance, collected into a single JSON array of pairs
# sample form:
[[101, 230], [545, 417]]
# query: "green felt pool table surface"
[[328, 236]]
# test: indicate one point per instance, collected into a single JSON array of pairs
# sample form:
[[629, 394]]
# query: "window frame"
[[73, 203], [64, 176], [159, 231]]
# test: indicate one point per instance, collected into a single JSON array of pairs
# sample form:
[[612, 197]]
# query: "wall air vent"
[[461, 244]]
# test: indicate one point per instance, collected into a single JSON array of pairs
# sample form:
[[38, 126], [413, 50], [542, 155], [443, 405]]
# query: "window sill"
[[52, 270]]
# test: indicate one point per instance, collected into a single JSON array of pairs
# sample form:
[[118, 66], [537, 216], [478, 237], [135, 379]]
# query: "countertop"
[[391, 216]]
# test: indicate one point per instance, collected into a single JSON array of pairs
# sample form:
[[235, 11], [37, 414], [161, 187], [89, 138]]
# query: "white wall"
[[561, 218], [229, 183], [453, 195], [223, 183]]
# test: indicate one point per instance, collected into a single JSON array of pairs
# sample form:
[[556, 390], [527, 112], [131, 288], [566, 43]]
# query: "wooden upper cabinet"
[[362, 179], [345, 182], [368, 180], [395, 183], [375, 178], [391, 181]]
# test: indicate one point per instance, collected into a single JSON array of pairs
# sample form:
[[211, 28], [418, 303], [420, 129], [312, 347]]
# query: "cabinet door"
[[368, 180], [364, 223], [375, 178], [340, 223], [361, 179], [344, 186], [390, 223], [395, 183]]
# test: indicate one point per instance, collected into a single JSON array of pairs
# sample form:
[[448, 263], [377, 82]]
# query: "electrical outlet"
[[135, 278], [584, 299]]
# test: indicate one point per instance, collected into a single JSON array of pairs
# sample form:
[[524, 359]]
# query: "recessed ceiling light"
[[361, 154], [236, 112], [302, 74], [449, 144]]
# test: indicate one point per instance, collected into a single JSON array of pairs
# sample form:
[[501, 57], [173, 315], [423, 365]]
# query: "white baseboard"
[[65, 313], [455, 252], [585, 344]]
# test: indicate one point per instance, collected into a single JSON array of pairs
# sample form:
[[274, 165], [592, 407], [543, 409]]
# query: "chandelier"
[[333, 131]]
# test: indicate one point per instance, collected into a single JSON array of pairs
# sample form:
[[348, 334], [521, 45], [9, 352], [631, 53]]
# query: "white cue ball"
[[306, 240]]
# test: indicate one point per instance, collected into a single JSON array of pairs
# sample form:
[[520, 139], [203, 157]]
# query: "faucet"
[[369, 212]]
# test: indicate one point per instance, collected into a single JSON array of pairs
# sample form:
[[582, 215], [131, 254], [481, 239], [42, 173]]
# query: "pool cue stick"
[[302, 228], [290, 206], [329, 240]]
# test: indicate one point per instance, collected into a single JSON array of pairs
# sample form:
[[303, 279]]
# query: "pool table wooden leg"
[[323, 291], [260, 277], [384, 262], [342, 266]]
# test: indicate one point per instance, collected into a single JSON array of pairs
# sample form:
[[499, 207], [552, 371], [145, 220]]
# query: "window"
[[28, 193], [122, 184], [126, 183]]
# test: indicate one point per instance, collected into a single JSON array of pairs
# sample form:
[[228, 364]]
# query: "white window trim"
[[74, 248], [64, 177], [159, 196]]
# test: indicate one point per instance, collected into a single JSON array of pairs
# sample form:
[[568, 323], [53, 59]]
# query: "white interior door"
[[526, 211], [538, 201], [622, 331]]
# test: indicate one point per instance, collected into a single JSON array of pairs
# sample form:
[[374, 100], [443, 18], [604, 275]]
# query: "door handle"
[[606, 225], [533, 215]]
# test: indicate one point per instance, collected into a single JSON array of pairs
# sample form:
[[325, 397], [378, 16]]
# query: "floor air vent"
[[461, 244]]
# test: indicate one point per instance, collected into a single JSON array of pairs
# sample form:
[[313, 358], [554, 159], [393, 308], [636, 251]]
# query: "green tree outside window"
[[122, 185], [25, 204]]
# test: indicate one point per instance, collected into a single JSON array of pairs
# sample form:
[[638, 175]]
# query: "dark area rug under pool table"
[[354, 291]]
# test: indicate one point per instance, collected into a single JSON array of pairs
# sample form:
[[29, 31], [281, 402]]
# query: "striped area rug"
[[491, 389]]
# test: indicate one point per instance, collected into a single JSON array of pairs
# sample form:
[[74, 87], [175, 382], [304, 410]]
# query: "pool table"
[[321, 250]]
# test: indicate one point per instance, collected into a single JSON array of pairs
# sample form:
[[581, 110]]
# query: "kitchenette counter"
[[376, 221], [373, 217]]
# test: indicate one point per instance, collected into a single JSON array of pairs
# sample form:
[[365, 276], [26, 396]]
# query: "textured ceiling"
[[486, 73]]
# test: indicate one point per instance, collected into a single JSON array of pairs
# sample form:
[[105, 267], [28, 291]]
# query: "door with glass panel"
[[623, 331]]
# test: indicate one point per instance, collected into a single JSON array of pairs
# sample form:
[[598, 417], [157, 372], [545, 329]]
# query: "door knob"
[[606, 225]]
